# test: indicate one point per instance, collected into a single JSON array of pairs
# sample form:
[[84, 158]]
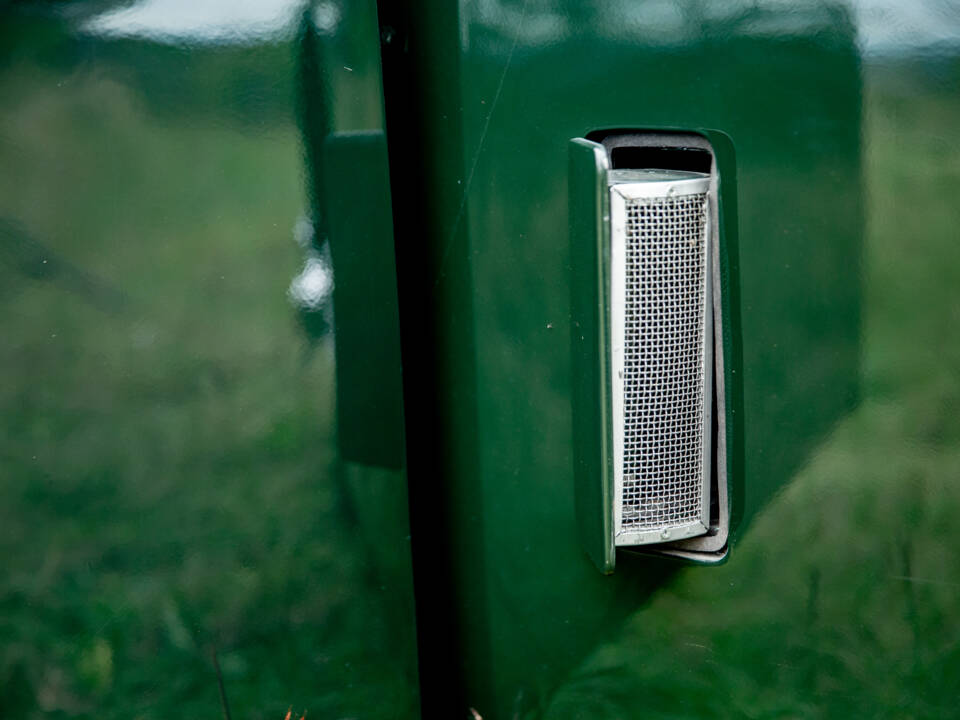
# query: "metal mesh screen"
[[663, 362]]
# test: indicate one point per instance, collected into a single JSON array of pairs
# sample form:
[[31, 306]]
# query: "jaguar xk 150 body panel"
[[288, 413]]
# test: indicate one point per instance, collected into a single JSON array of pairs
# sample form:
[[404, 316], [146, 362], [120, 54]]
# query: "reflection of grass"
[[167, 459], [843, 600]]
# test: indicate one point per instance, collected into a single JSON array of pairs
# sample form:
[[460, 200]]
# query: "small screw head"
[[665, 534]]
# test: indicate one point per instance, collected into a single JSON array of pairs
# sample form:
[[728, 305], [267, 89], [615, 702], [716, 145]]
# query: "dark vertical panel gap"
[[439, 433]]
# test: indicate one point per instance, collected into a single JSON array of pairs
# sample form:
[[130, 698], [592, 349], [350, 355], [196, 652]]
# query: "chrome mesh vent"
[[662, 369], [663, 362]]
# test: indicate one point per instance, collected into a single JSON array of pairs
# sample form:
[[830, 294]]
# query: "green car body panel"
[[529, 604], [244, 474]]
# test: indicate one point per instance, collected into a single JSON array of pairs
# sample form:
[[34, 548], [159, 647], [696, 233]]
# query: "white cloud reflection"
[[208, 21]]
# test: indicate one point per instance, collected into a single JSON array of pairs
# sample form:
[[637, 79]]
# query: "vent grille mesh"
[[663, 362]]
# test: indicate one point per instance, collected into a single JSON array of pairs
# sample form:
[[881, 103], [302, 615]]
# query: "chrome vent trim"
[[662, 339]]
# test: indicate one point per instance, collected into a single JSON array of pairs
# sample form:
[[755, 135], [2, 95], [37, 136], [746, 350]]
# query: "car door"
[[831, 127]]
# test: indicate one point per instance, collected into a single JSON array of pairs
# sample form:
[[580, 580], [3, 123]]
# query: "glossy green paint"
[[185, 459], [484, 100], [590, 391], [177, 473], [357, 207]]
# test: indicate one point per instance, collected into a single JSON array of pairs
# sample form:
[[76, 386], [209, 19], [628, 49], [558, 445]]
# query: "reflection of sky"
[[885, 26], [892, 26], [199, 20]]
